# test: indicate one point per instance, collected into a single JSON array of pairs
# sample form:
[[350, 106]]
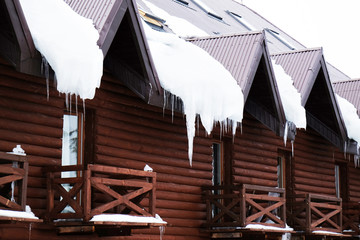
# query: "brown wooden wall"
[[129, 133], [313, 164]]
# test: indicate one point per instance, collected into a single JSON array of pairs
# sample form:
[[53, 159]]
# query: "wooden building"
[[319, 169], [233, 181]]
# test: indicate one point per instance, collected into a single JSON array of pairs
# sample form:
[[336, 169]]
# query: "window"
[[241, 20], [217, 164], [280, 38], [207, 9], [341, 186], [281, 172], [72, 141]]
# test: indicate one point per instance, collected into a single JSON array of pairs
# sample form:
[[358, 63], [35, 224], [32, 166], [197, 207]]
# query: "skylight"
[[241, 20], [207, 9], [182, 2], [280, 38]]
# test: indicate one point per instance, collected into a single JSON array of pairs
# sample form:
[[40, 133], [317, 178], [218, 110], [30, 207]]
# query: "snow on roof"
[[291, 98], [203, 84], [28, 214], [126, 218], [351, 119], [68, 41], [179, 26]]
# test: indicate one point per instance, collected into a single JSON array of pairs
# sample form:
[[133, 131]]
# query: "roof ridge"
[[298, 51], [348, 80], [225, 35]]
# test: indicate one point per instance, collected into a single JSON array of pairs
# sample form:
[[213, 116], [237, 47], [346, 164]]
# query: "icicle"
[[292, 147], [150, 92], [356, 160], [70, 97], [14, 165], [172, 108], [345, 150], [76, 104], [45, 71], [162, 231], [190, 126], [165, 99], [286, 133], [30, 227], [67, 101], [84, 108], [198, 124], [241, 128]]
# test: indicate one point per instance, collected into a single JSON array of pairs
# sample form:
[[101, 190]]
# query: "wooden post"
[[50, 198], [152, 197], [87, 194], [242, 206], [308, 212], [23, 192]]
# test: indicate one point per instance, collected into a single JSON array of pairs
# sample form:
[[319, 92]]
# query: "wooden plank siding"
[[127, 133]]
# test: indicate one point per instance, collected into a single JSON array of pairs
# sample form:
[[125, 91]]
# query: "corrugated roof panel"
[[96, 10], [237, 53], [301, 66], [350, 90]]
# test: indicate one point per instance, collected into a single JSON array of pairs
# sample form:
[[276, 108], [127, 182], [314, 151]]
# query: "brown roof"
[[303, 67], [350, 90], [240, 54], [308, 70], [246, 57], [108, 17]]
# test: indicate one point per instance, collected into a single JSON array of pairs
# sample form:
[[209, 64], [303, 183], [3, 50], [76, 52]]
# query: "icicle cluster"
[[206, 88]]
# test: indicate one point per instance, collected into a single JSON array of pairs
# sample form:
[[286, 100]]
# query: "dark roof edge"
[[278, 103], [297, 51], [149, 63], [338, 114]]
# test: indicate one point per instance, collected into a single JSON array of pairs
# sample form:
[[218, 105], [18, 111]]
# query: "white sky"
[[333, 25]]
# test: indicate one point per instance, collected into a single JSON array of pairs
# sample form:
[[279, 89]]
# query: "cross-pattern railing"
[[315, 212], [239, 206], [99, 189], [13, 181], [351, 217]]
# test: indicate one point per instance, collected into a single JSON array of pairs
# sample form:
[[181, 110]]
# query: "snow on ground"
[[326, 233], [179, 26], [18, 214], [126, 218], [68, 41], [203, 84], [259, 226], [290, 97], [351, 119]]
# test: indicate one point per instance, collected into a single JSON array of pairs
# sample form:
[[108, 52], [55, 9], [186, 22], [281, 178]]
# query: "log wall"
[[313, 164]]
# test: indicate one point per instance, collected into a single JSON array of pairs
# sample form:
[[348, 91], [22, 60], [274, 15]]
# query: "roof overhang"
[[17, 46]]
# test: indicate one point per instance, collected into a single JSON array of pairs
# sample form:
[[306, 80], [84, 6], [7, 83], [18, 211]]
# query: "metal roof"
[[309, 72], [276, 39], [303, 67], [350, 90], [239, 54], [108, 16]]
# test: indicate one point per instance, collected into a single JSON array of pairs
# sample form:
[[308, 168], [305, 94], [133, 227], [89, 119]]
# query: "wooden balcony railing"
[[351, 217], [314, 212], [99, 189], [239, 206], [13, 181]]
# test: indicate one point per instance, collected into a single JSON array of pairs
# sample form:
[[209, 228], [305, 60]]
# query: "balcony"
[[230, 208], [78, 201], [314, 212], [351, 218]]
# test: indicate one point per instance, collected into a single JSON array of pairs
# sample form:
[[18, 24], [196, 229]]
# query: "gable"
[[262, 102], [245, 56]]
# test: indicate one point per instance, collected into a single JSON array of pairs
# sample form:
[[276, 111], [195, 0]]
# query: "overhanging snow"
[[68, 41], [203, 84]]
